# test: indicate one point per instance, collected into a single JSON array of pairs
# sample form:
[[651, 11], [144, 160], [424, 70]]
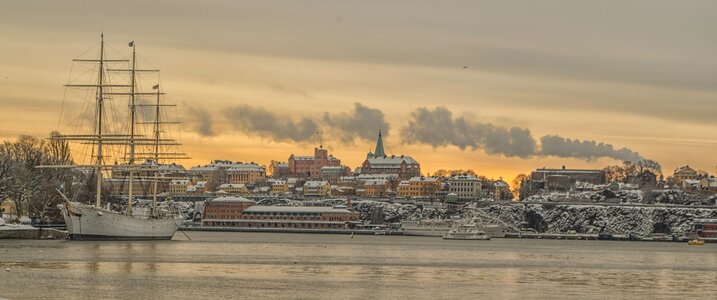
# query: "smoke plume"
[[260, 122], [362, 122], [589, 150], [438, 128]]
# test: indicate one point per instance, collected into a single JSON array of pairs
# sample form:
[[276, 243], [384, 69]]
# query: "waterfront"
[[263, 265]]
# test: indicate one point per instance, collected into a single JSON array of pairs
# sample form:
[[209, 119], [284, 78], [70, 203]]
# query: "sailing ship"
[[94, 222]]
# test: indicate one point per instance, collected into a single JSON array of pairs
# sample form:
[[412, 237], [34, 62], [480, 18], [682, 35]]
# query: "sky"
[[500, 87]]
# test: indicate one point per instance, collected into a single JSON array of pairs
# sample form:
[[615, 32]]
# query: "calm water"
[[263, 265]]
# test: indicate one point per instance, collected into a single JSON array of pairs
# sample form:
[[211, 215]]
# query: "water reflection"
[[215, 265]]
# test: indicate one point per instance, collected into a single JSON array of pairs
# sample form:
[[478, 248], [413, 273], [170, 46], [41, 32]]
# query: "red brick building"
[[218, 210], [310, 166]]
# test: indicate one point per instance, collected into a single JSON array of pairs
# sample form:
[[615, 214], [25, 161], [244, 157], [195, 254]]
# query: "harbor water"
[[227, 265]]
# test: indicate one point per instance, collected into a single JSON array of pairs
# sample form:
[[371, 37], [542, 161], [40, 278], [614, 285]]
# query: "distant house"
[[709, 184], [234, 189], [317, 189], [690, 185], [419, 187], [684, 173]]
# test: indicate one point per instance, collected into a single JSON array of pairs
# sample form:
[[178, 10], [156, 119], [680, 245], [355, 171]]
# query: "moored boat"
[[466, 232]]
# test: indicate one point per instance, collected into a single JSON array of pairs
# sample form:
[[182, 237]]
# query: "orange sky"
[[640, 75]]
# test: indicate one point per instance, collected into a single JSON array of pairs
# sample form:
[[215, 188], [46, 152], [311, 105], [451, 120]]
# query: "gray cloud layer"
[[202, 122], [362, 122], [258, 121], [437, 127]]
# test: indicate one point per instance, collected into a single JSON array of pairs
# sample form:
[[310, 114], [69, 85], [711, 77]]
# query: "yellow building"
[[374, 188], [245, 173], [317, 189], [234, 189], [179, 186], [684, 173], [419, 187], [279, 187]]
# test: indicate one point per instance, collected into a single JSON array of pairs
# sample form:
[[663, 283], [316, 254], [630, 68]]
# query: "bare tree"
[[516, 184]]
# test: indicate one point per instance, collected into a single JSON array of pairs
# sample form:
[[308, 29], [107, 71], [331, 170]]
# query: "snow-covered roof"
[[303, 158], [245, 167], [294, 209], [203, 168], [315, 183], [390, 160], [232, 185], [417, 179], [376, 182], [463, 177], [335, 168], [232, 199], [179, 182], [389, 176]]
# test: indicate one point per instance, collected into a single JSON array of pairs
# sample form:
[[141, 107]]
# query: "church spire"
[[379, 146]]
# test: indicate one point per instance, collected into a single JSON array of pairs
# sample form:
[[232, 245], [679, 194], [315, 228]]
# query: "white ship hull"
[[426, 228], [86, 222]]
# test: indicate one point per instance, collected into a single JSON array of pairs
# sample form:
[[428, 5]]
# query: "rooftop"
[[232, 199], [294, 209]]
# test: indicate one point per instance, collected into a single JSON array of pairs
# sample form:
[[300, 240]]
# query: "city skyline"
[[648, 88]]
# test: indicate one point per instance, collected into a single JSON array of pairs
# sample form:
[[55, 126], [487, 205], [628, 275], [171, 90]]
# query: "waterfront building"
[[333, 173], [380, 163], [465, 187], [245, 173], [419, 187], [301, 217], [218, 210], [317, 188], [310, 166], [234, 189], [705, 229]]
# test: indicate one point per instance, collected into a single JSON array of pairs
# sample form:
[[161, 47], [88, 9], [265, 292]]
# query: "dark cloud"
[[199, 120], [439, 128], [257, 121], [362, 122], [589, 150]]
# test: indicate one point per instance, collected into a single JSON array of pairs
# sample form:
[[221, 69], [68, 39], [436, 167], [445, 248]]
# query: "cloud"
[[362, 122], [257, 121], [589, 150], [201, 121], [439, 128]]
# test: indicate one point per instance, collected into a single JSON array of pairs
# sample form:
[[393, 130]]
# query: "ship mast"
[[100, 103], [132, 110], [156, 152]]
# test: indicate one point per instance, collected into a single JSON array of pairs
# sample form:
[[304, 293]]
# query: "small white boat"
[[466, 232]]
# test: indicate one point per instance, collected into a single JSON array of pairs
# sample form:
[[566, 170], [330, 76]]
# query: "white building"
[[466, 187]]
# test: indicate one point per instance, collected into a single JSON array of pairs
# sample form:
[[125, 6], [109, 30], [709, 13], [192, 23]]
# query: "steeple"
[[379, 146]]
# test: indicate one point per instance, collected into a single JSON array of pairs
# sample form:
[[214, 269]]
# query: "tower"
[[379, 146]]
